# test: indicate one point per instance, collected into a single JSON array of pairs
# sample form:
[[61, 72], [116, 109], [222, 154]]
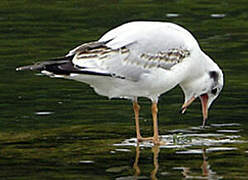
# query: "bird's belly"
[[121, 88]]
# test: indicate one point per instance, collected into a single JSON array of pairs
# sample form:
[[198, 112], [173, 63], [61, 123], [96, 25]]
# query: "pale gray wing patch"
[[113, 61], [124, 62]]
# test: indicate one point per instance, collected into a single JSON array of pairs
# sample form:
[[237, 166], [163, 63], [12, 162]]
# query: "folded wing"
[[127, 52]]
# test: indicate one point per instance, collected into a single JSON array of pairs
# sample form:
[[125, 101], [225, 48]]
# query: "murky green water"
[[60, 129]]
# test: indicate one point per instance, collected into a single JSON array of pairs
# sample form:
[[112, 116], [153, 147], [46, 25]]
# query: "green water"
[[60, 129]]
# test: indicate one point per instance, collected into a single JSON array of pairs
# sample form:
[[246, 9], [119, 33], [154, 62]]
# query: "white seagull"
[[141, 59]]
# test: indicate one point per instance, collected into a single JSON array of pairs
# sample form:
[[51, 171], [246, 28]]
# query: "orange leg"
[[136, 109], [155, 123], [154, 109]]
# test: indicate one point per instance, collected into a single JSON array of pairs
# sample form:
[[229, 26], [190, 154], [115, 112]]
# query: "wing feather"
[[126, 63], [135, 48]]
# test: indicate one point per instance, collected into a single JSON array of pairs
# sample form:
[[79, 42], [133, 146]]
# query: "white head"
[[207, 85]]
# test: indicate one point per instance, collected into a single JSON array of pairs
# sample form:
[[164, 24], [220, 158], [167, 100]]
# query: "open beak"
[[204, 102], [186, 105]]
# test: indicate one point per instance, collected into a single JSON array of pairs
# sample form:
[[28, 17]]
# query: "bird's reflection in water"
[[155, 150], [207, 173], [205, 167]]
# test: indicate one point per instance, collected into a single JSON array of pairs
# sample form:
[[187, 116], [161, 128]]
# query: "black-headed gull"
[[141, 59]]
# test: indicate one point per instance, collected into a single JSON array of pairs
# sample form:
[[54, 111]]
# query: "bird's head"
[[206, 87]]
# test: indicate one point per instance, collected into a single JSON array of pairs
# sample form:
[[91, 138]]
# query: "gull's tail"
[[64, 67], [45, 65], [60, 67]]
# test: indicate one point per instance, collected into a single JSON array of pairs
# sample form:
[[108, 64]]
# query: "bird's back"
[[150, 37]]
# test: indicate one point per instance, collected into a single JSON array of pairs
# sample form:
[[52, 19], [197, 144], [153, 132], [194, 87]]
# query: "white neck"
[[197, 73]]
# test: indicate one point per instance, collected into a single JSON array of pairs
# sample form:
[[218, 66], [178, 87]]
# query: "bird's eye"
[[214, 91]]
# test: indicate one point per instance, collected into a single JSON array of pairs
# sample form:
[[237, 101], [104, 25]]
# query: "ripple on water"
[[191, 151], [186, 140], [203, 135], [228, 131], [180, 131], [212, 149], [133, 142], [217, 15], [86, 162], [171, 15], [225, 125], [41, 113], [123, 150]]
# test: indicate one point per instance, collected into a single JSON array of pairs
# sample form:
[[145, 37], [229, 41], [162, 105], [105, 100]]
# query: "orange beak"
[[204, 102], [186, 105]]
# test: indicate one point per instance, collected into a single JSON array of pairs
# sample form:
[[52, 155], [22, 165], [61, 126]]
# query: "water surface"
[[60, 129]]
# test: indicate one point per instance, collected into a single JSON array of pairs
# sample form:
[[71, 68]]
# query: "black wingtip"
[[41, 65], [36, 66]]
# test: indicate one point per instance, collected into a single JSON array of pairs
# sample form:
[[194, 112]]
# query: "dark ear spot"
[[214, 75], [214, 91]]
